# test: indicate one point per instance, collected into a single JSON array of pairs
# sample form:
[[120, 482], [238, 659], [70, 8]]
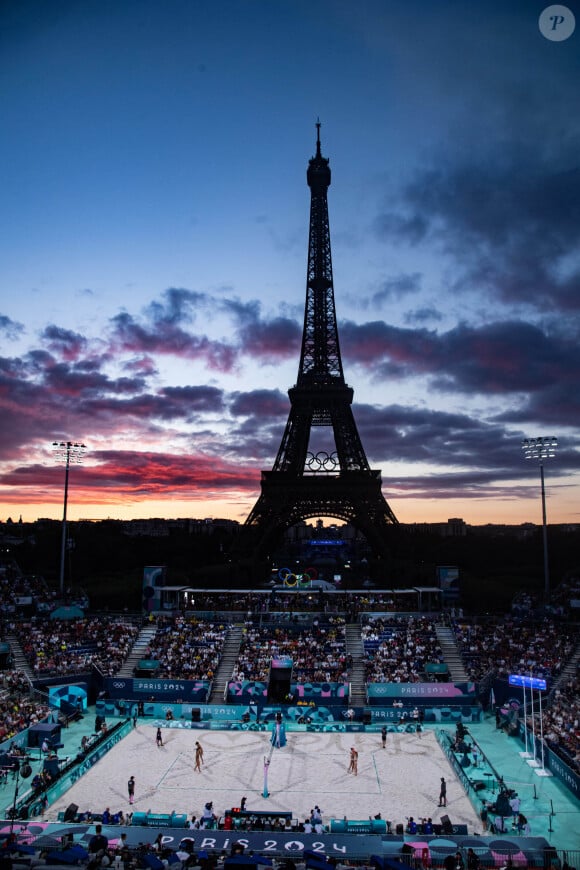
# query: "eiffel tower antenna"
[[307, 482]]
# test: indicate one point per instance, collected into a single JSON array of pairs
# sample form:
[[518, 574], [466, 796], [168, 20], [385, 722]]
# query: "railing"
[[71, 772], [96, 668], [39, 695], [487, 770]]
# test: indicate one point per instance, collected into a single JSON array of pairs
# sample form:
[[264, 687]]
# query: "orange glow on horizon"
[[238, 506]]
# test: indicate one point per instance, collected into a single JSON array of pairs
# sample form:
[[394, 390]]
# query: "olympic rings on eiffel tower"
[[302, 581], [322, 461]]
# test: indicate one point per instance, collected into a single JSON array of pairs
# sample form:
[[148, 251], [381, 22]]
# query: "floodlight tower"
[[541, 449], [70, 452]]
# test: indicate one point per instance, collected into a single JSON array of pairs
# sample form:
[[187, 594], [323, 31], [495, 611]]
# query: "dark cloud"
[[177, 306], [165, 337], [435, 437], [411, 229], [165, 328], [505, 357], [170, 405], [265, 339], [258, 422], [22, 408], [423, 315], [200, 399], [81, 383], [469, 458], [40, 397], [67, 344], [508, 221], [243, 313], [271, 340], [10, 329], [11, 370], [464, 485], [262, 404], [552, 407], [380, 347], [144, 365], [496, 358], [37, 361], [396, 288]]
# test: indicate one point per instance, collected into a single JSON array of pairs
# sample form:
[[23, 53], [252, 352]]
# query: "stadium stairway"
[[451, 653], [354, 648], [567, 673], [138, 650], [19, 662], [226, 666]]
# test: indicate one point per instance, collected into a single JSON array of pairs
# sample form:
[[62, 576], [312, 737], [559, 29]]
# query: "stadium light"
[[541, 449], [70, 452]]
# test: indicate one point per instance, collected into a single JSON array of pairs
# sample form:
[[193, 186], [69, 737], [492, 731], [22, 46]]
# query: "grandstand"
[[83, 695]]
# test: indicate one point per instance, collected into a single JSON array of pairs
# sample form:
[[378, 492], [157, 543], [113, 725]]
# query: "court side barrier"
[[484, 769], [358, 826], [32, 805]]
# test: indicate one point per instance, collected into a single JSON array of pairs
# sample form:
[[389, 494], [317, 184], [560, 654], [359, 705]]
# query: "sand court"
[[399, 781]]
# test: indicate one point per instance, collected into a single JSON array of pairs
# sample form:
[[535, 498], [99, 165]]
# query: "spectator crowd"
[[515, 644], [318, 651], [18, 708], [397, 648], [187, 648], [561, 722], [69, 646]]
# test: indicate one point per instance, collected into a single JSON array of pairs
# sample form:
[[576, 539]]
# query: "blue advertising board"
[[450, 693], [527, 682], [172, 691]]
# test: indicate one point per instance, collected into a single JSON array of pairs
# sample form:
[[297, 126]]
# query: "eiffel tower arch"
[[321, 469]]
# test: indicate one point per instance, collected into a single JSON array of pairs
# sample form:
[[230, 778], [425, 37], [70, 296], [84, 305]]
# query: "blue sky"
[[153, 253]]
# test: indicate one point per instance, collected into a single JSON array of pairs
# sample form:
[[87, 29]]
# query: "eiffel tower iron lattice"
[[305, 482]]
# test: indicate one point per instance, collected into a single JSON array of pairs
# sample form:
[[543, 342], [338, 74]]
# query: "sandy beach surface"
[[399, 781]]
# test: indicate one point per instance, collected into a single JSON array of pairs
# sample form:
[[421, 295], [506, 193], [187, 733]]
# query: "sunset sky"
[[154, 214]]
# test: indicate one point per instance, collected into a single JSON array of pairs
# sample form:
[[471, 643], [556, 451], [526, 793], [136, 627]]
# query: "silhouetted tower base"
[[308, 481], [353, 497]]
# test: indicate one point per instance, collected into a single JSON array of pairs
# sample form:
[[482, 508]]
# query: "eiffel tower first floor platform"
[[287, 499]]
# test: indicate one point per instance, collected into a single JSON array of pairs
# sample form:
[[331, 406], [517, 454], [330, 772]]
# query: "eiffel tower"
[[307, 482]]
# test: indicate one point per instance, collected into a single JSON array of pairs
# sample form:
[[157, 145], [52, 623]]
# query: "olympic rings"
[[301, 581], [322, 461], [284, 574]]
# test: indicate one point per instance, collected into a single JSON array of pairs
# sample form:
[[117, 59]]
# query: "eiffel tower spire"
[[306, 482]]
